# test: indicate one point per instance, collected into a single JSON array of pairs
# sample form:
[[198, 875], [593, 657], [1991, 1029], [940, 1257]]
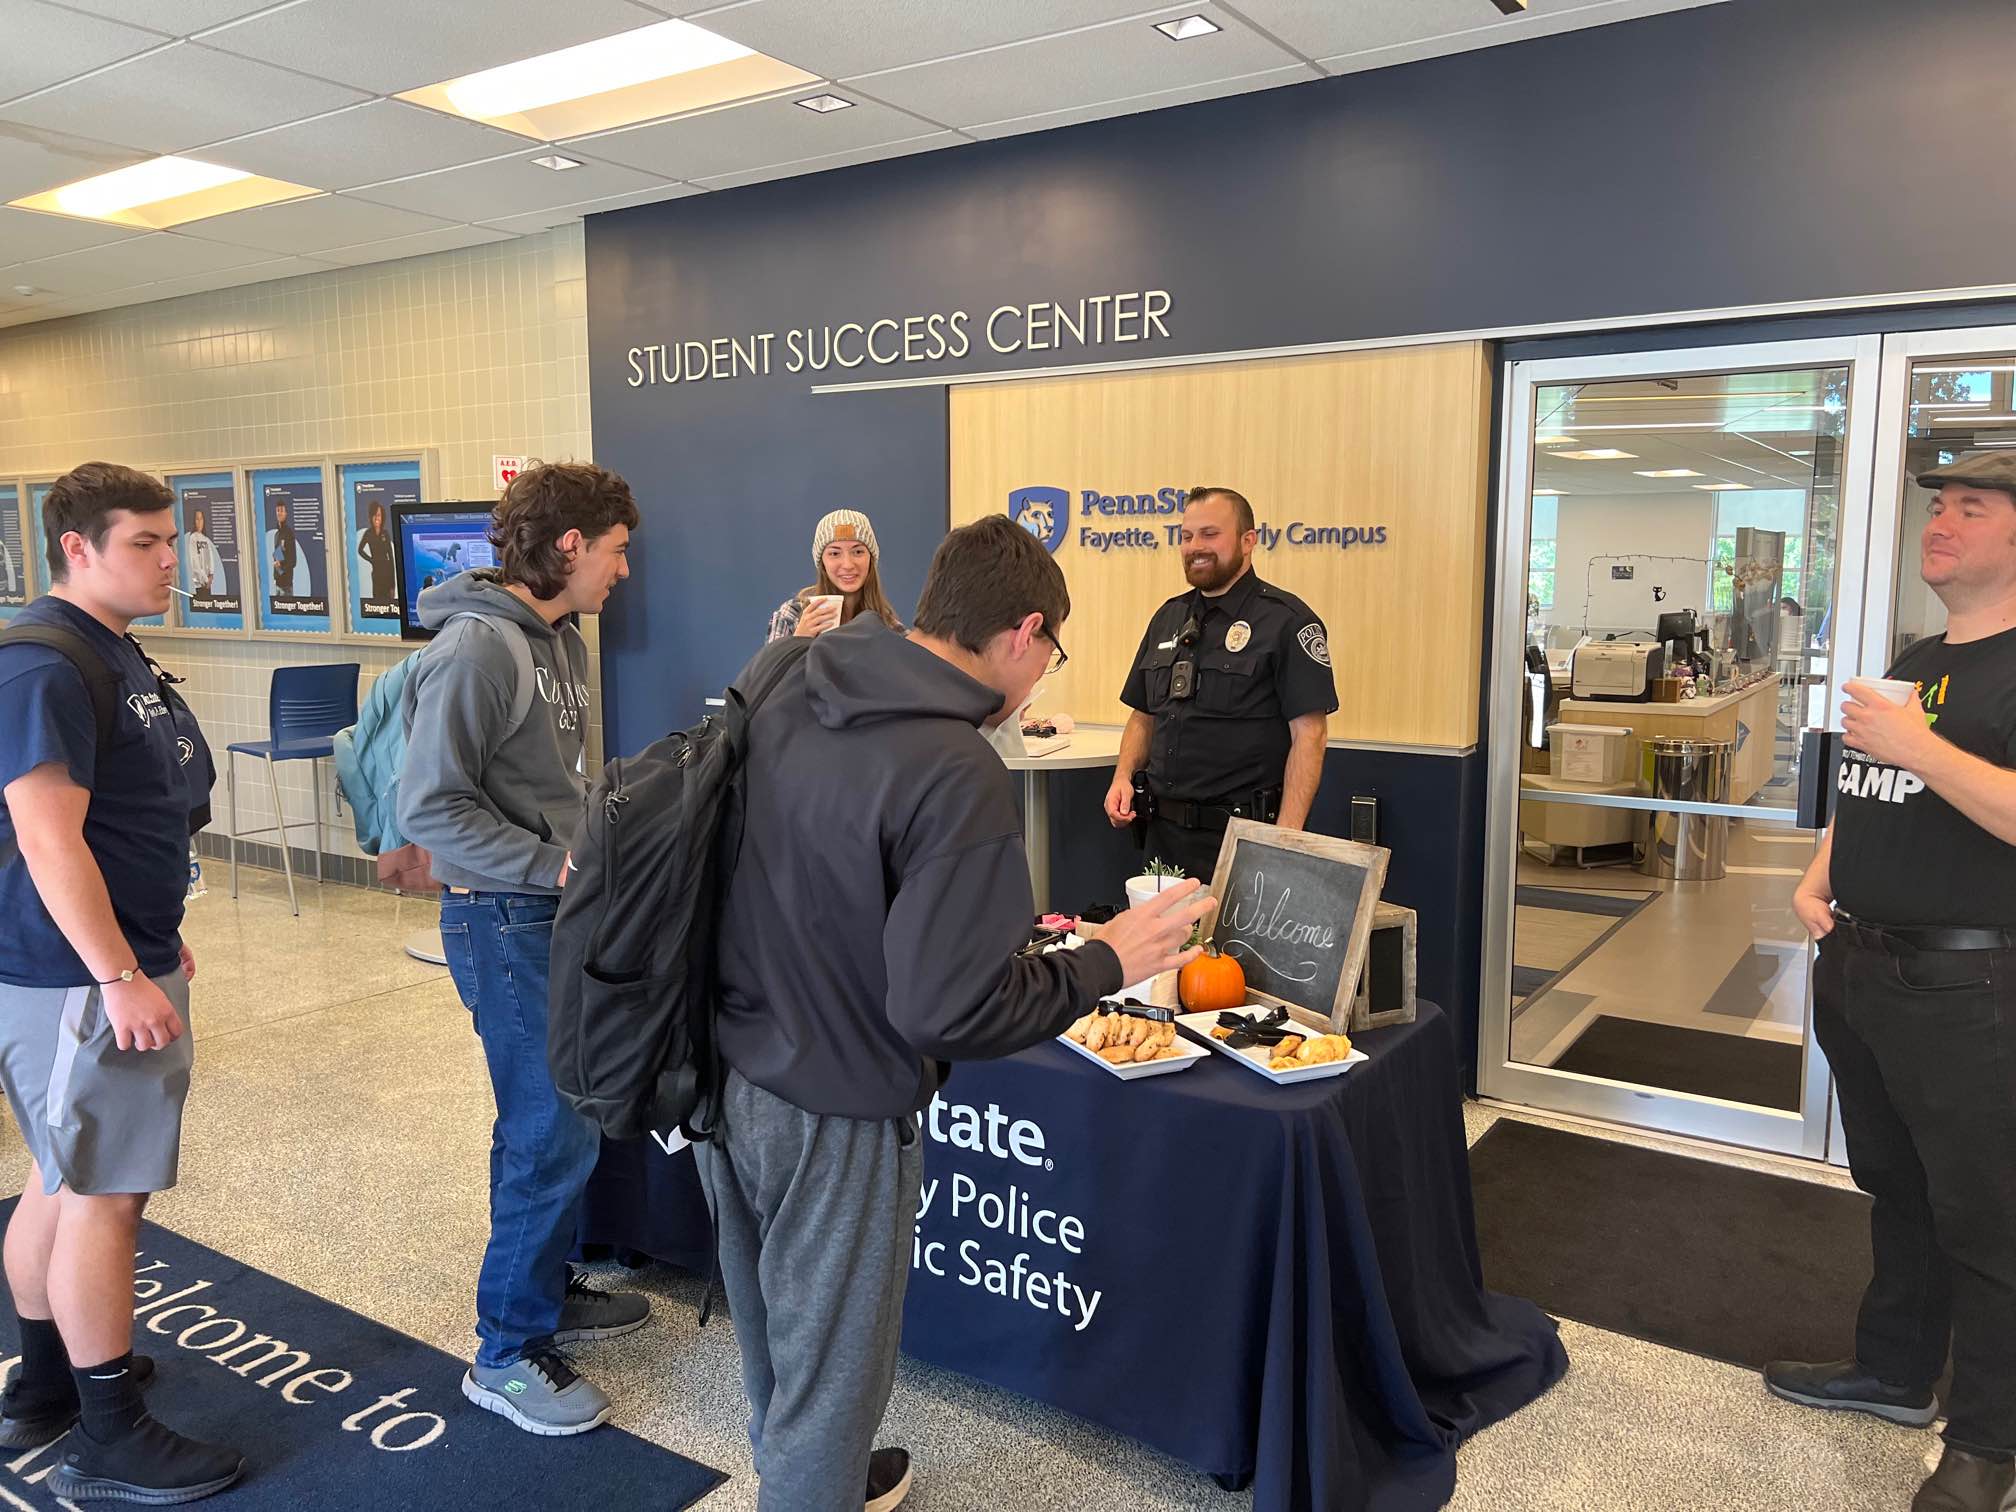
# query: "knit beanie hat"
[[844, 525]]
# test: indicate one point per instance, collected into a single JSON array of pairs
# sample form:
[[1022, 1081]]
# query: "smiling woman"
[[845, 551]]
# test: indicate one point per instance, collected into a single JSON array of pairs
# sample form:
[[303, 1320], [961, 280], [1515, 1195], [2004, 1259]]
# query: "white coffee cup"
[[838, 601], [1898, 690], [1141, 889]]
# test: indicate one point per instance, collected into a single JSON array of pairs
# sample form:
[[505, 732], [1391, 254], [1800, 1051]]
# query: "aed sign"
[[503, 470], [1045, 512]]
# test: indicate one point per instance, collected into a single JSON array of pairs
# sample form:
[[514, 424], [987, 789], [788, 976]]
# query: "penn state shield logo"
[[1043, 512]]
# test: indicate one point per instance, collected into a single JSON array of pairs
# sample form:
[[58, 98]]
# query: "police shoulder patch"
[[1315, 643]]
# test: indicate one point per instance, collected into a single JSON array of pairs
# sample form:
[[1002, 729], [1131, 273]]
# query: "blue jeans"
[[541, 1151]]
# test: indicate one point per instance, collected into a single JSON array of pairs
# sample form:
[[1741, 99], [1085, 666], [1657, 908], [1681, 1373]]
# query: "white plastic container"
[[1588, 753]]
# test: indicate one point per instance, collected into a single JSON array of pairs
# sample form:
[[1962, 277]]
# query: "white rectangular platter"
[[1188, 1054], [1256, 1059]]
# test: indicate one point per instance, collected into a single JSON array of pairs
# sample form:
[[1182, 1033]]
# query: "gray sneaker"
[[540, 1393], [590, 1314]]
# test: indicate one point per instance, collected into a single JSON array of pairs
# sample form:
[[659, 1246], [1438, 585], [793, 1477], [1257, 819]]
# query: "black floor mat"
[[1764, 1073]]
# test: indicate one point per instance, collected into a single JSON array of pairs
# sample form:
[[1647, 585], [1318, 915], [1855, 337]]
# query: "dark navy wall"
[[1742, 153]]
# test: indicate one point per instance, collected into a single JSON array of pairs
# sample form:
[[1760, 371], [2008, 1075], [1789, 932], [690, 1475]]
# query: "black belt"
[[1184, 814], [1925, 936]]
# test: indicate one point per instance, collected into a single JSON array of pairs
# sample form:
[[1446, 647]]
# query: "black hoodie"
[[881, 890]]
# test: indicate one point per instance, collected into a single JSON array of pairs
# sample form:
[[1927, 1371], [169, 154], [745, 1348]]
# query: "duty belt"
[[1264, 806], [1925, 936]]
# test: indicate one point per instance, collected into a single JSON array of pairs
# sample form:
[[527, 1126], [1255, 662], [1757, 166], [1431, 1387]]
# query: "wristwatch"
[[124, 976]]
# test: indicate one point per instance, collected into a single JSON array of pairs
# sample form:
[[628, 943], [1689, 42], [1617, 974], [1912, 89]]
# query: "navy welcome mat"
[[332, 1410]]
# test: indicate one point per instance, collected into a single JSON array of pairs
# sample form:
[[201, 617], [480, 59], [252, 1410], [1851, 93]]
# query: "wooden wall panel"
[[1399, 438]]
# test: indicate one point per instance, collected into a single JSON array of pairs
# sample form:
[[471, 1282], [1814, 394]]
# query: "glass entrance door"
[[1691, 531]]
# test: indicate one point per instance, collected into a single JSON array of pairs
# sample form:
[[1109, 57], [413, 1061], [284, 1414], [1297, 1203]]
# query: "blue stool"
[[305, 706]]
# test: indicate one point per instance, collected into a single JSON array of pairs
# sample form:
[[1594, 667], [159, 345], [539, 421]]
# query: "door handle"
[[1819, 760]]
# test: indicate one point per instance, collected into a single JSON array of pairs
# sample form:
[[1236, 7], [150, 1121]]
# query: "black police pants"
[[1923, 1047], [1195, 850]]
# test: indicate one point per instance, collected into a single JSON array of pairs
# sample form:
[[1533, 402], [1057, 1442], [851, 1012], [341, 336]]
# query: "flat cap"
[[1981, 469]]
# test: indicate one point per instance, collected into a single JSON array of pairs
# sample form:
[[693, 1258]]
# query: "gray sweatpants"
[[814, 1218]]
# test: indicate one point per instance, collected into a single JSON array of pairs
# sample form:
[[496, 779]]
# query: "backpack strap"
[[527, 685], [101, 679]]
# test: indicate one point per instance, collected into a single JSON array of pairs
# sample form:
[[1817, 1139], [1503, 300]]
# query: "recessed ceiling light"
[[1511, 7], [1669, 472], [1187, 27], [826, 104], [1599, 454], [163, 192], [1554, 440], [25, 290], [1723, 487], [557, 163], [642, 75]]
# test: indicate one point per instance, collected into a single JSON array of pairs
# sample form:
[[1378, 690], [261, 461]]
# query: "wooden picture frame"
[[1252, 912]]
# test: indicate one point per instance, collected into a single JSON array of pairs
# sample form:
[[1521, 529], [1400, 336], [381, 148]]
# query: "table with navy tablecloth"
[[1276, 1285]]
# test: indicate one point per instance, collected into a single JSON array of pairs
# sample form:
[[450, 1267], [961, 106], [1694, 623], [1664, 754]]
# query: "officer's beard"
[[1212, 574]]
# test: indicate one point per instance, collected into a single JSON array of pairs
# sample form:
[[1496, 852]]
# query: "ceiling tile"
[[534, 222], [1273, 78], [837, 40], [741, 137], [46, 45], [137, 260], [1404, 33], [181, 97], [1322, 28], [312, 225], [28, 234], [838, 160], [387, 46], [366, 144], [506, 186], [451, 240], [177, 18], [1110, 62], [32, 161]]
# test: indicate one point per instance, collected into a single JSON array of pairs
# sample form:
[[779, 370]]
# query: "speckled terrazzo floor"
[[337, 1137]]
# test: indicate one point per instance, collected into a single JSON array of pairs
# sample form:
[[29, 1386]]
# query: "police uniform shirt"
[[137, 825], [1902, 854], [1262, 658]]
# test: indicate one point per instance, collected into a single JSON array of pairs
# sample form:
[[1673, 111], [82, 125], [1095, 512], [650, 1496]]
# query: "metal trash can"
[[1688, 847]]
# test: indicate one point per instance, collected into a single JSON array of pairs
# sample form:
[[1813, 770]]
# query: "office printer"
[[1620, 671]]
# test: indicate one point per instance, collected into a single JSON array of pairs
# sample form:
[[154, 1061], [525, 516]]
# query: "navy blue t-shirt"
[[137, 826]]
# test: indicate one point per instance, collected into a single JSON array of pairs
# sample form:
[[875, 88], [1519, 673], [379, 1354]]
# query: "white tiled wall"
[[470, 354]]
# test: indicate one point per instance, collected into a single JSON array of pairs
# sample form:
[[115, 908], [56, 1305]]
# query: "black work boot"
[[1967, 1482]]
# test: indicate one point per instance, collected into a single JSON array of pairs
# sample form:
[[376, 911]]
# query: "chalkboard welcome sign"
[[1295, 910]]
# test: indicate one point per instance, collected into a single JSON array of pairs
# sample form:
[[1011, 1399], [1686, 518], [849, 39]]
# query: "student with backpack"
[[99, 764], [870, 933], [491, 788]]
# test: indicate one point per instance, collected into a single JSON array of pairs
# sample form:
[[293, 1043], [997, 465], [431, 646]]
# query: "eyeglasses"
[[1057, 656]]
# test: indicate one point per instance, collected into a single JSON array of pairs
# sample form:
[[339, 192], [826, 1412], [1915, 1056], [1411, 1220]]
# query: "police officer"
[[1231, 691], [1912, 897]]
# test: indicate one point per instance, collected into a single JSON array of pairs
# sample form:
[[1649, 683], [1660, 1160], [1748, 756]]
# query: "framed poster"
[[371, 493], [292, 534], [16, 579], [38, 495], [212, 571]]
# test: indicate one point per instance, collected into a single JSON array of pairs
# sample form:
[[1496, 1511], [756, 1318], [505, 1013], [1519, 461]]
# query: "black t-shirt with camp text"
[[1904, 855]]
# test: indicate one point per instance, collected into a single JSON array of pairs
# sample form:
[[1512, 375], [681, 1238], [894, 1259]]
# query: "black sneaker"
[[1844, 1386], [587, 1314], [888, 1479], [26, 1424], [1967, 1482], [151, 1464]]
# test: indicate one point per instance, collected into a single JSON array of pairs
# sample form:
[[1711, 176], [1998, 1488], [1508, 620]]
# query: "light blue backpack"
[[371, 753]]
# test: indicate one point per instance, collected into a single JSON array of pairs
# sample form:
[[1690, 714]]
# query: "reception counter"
[[1747, 717]]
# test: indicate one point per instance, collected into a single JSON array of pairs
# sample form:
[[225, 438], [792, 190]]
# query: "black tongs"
[[1133, 1009], [1249, 1030]]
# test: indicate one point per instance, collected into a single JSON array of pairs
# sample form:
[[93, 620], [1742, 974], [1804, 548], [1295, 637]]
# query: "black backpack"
[[101, 680], [630, 1036]]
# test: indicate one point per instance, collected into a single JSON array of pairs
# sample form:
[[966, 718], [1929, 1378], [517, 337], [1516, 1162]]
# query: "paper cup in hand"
[[1141, 889], [1898, 690]]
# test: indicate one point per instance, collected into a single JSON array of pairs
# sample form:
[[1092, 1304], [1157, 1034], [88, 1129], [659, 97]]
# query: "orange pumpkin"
[[1211, 983]]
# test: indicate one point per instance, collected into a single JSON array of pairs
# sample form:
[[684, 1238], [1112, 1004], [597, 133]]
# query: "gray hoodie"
[[497, 813]]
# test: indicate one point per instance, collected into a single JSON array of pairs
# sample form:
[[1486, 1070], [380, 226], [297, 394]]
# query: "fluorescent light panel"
[[1546, 493], [1554, 440], [163, 192], [1671, 472], [643, 75], [1723, 487], [1600, 454]]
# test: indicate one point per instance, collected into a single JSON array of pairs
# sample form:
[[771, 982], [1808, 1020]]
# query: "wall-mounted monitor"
[[436, 541]]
